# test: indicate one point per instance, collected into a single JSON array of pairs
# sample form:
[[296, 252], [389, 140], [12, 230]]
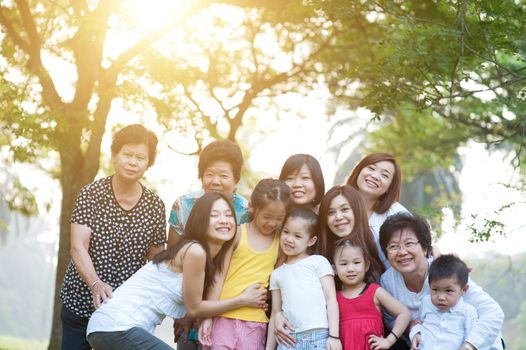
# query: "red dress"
[[359, 318]]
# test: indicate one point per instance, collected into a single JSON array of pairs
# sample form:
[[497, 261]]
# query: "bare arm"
[[276, 308], [193, 283], [214, 293], [80, 239], [402, 319], [333, 314], [173, 237]]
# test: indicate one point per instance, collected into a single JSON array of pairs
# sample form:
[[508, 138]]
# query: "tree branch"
[[12, 32]]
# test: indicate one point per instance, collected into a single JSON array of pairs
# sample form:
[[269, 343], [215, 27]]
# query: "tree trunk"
[[68, 200], [72, 179]]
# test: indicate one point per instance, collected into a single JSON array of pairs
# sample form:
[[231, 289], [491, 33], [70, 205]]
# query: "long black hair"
[[196, 230]]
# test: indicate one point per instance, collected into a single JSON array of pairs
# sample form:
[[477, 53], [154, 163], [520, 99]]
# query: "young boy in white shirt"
[[445, 318]]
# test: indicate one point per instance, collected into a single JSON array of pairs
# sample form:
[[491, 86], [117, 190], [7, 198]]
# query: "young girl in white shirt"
[[303, 287]]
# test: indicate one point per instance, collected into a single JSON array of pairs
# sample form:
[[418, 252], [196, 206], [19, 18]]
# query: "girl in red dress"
[[361, 300]]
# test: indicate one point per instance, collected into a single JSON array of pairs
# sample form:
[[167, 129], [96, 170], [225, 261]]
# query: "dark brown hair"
[[295, 162], [405, 221], [221, 150], [360, 230], [385, 201], [135, 134], [196, 230], [374, 271], [268, 190]]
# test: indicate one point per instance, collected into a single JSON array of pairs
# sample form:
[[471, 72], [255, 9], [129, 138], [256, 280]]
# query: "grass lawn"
[[12, 343]]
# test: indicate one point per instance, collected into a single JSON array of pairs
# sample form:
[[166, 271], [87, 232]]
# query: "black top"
[[119, 239]]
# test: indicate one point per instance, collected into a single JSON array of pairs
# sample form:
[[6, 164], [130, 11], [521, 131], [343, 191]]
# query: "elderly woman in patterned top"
[[116, 225]]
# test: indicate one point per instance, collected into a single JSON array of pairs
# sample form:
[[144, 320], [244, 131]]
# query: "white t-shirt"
[[444, 329], [485, 334], [303, 301], [375, 222], [150, 294]]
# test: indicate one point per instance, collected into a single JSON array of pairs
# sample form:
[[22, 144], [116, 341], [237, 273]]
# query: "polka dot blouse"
[[119, 239]]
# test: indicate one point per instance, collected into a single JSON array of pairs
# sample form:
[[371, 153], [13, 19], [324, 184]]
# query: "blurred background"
[[439, 84]]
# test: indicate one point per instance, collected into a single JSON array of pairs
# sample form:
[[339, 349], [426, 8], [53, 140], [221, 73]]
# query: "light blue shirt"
[[444, 330]]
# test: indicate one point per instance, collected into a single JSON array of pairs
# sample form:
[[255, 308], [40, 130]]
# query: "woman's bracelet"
[[393, 333], [94, 283], [333, 337]]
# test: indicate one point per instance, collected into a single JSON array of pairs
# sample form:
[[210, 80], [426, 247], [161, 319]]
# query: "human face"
[[130, 162], [270, 218], [302, 188], [219, 177], [374, 180], [405, 253], [340, 217], [446, 292], [222, 226], [295, 239], [351, 266]]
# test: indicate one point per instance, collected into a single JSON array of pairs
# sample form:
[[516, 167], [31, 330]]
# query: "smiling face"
[[130, 162], [350, 265], [270, 218], [374, 180], [295, 238], [340, 217], [446, 292], [405, 253], [302, 188], [222, 226], [219, 177]]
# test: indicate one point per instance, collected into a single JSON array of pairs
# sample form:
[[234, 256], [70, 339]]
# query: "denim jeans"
[[73, 331], [315, 339], [134, 338]]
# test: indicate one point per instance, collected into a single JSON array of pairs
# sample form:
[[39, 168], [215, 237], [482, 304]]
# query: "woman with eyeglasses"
[[406, 241]]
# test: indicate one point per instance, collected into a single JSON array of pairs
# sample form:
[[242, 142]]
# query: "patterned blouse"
[[119, 239], [184, 204]]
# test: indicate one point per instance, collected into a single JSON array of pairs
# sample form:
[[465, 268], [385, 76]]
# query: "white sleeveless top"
[[153, 292]]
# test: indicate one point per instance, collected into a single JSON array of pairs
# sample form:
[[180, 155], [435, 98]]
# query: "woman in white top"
[[173, 284], [378, 178]]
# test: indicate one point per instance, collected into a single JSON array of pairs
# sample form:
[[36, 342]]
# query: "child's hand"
[[417, 340], [334, 344], [205, 330], [283, 330], [377, 343], [255, 296]]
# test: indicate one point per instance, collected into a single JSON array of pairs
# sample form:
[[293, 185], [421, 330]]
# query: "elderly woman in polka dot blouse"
[[116, 225]]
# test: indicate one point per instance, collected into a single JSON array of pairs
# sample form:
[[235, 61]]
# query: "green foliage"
[[503, 277]]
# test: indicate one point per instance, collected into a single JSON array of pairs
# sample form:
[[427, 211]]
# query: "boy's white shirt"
[[445, 330], [486, 333]]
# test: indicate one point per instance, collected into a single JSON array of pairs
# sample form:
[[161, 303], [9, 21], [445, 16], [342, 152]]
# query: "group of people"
[[293, 268]]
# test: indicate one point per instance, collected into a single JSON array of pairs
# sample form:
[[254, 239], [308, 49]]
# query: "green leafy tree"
[[458, 64], [226, 65]]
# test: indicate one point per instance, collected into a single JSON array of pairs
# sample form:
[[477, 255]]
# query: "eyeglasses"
[[395, 247]]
